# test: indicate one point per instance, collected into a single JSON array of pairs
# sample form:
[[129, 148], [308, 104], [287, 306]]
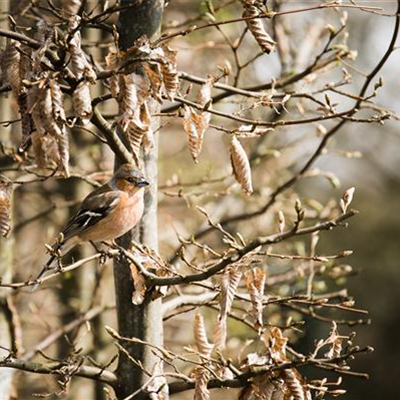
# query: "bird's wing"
[[96, 206]]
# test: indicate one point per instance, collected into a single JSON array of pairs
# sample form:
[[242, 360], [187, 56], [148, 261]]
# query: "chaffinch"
[[105, 214]]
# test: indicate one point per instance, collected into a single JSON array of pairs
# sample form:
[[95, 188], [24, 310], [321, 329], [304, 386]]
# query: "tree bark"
[[141, 321]]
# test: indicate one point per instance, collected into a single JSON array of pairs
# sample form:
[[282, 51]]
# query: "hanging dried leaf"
[[229, 283], [5, 208], [255, 282], [139, 285], [194, 126], [128, 99], [169, 71], [204, 347], [204, 94], [256, 27], [112, 64], [27, 125], [275, 343], [10, 65], [266, 389], [50, 143], [138, 128], [135, 132], [82, 102], [335, 342], [80, 66], [204, 99], [293, 384], [241, 165], [153, 72], [145, 117], [201, 377], [56, 95]]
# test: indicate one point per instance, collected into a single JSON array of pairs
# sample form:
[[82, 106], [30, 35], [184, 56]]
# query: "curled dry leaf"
[[139, 286], [229, 283], [201, 376], [256, 27], [82, 69], [82, 102], [266, 389], [335, 342], [241, 165], [50, 143], [169, 71], [11, 66], [204, 347], [204, 98], [275, 343], [80, 66], [139, 130], [153, 72], [128, 99], [15, 68], [293, 384], [5, 207], [255, 282], [195, 127], [112, 64]]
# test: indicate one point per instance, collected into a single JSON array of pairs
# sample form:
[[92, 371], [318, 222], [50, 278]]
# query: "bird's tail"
[[58, 251]]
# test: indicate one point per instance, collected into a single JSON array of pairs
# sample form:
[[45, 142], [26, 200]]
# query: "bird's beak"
[[142, 183]]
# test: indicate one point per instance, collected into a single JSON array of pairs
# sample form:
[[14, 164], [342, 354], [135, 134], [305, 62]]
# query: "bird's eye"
[[131, 180]]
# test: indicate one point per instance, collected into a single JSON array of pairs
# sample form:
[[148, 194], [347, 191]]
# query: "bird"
[[105, 214]]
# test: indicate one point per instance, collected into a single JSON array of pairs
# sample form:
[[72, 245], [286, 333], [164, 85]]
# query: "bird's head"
[[129, 179]]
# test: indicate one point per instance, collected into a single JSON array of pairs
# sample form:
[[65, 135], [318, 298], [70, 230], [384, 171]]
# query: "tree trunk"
[[143, 321]]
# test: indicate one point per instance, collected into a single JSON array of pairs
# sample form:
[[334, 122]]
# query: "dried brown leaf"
[[204, 94], [11, 66], [204, 347], [201, 376], [27, 125], [128, 99], [80, 66], [256, 27], [229, 283], [293, 384], [195, 127], [276, 343], [335, 342], [169, 71], [153, 72], [5, 207], [255, 282], [139, 285], [82, 102], [241, 165], [112, 64]]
